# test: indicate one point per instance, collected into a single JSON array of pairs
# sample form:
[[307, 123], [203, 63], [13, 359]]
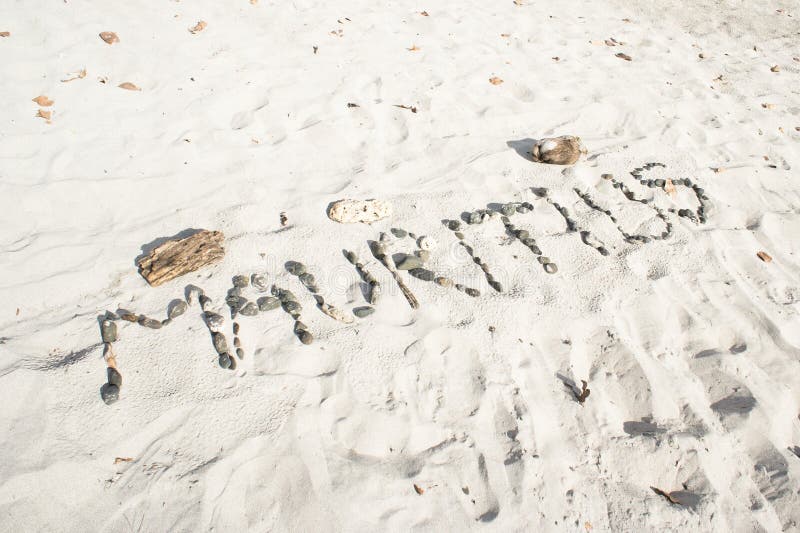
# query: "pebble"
[[214, 321], [295, 268], [233, 362], [384, 237], [305, 336], [114, 377], [422, 273], [108, 331], [309, 282], [496, 286], [399, 233], [237, 343], [240, 281], [602, 251], [129, 317], [407, 262], [249, 309], [166, 322], [268, 303], [220, 344], [291, 306], [204, 301], [235, 328], [151, 323], [459, 235], [351, 257], [454, 225], [259, 281], [523, 234], [550, 268], [426, 243], [508, 209], [444, 282], [543, 260], [472, 292], [362, 312], [659, 183], [476, 217], [522, 209], [225, 360], [193, 293], [239, 353], [176, 308], [109, 393], [424, 255]]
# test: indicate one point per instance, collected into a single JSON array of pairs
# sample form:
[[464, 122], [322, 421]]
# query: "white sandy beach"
[[453, 416]]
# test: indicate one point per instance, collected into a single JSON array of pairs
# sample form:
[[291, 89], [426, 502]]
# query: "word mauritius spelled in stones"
[[415, 264]]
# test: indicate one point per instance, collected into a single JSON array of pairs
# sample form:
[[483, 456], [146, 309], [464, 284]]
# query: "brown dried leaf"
[[669, 188], [75, 76], [495, 80], [775, 68], [584, 393], [109, 37], [609, 42], [626, 57], [423, 13], [44, 114], [718, 170], [627, 20], [518, 2], [43, 101], [409, 107], [768, 106], [413, 48], [505, 35], [200, 26], [253, 2], [764, 256], [128, 86], [118, 460], [5, 34], [351, 104], [419, 489]]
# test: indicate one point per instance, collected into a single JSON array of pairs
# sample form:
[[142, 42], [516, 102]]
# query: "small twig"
[[583, 394]]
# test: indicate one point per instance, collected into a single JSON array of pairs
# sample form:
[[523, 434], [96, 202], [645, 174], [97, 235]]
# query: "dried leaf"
[[109, 37], [283, 218], [43, 101], [5, 34], [609, 42], [315, 49], [505, 35], [128, 86], [118, 460], [75, 76], [44, 114], [584, 393], [200, 26], [717, 170], [669, 188], [518, 2], [627, 20], [413, 48], [423, 13], [253, 2], [626, 57], [768, 106], [764, 256], [775, 68], [556, 58], [495, 80], [666, 495], [409, 107], [419, 489]]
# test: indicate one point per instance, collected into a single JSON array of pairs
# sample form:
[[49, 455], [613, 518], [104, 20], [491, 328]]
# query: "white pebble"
[[426, 243]]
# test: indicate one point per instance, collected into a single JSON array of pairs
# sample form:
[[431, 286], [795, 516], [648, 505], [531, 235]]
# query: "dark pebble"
[[239, 353], [422, 273], [536, 250], [233, 362], [240, 281], [290, 306], [176, 308], [523, 234], [249, 309], [295, 268], [305, 336], [351, 257], [235, 328], [362, 312], [166, 322], [108, 331], [268, 303], [114, 377], [454, 225], [496, 286], [237, 343], [220, 344], [459, 235], [128, 317], [659, 182], [309, 281], [472, 292], [399, 233], [508, 209], [543, 260], [602, 251], [149, 322], [225, 360], [550, 268], [109, 393], [204, 301]]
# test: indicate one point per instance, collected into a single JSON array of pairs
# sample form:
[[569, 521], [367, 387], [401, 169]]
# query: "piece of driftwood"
[[180, 256]]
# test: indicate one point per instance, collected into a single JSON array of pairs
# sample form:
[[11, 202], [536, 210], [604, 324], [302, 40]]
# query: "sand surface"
[[690, 344]]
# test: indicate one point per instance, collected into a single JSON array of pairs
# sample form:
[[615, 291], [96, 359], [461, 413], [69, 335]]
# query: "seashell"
[[564, 150]]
